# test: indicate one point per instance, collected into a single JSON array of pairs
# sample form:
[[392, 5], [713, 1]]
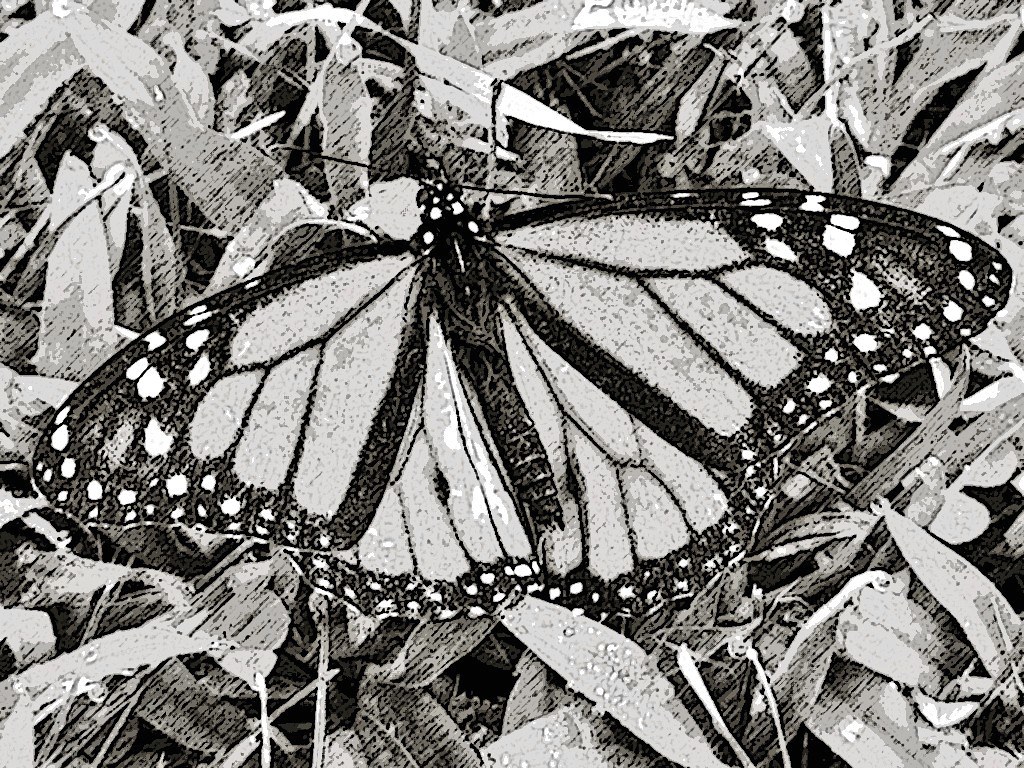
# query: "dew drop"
[[97, 692], [27, 556]]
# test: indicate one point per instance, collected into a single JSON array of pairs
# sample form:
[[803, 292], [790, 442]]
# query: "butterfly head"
[[444, 215]]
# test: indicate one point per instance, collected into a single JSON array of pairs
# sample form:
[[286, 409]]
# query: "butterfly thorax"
[[461, 277]]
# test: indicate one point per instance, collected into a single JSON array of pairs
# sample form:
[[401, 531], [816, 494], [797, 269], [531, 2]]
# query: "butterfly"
[[577, 401]]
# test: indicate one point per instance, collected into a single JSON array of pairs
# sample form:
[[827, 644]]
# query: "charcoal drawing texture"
[[575, 382]]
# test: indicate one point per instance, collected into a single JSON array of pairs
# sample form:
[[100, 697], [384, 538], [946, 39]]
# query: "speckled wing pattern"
[[657, 350]]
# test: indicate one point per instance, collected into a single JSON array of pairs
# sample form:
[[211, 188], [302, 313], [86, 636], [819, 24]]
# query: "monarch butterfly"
[[575, 401]]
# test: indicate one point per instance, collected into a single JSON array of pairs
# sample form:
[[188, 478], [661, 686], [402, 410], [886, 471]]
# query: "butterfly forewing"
[[752, 312], [251, 412], [578, 404]]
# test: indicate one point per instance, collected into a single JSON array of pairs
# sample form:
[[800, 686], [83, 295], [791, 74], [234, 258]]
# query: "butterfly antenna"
[[488, 190], [322, 156]]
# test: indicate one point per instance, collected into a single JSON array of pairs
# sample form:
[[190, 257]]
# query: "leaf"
[[960, 518], [564, 738], [231, 14], [288, 205], [532, 695], [614, 673], [813, 531], [978, 116], [346, 116], [421, 728], [342, 749], [994, 396], [22, 400], [65, 574], [225, 178], [17, 735], [887, 632], [943, 714], [117, 653], [390, 208], [191, 79], [29, 634], [177, 704], [993, 469], [856, 98], [865, 720], [507, 100], [241, 610], [125, 64], [248, 665], [987, 619], [108, 161], [806, 145], [688, 17], [36, 60], [512, 102], [432, 648], [77, 320]]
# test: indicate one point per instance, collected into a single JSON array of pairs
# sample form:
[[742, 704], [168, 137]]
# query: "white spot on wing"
[[843, 221], [769, 221], [157, 442], [196, 339], [155, 340], [177, 485], [953, 312], [67, 467], [819, 384], [59, 438], [837, 240], [865, 342], [923, 332], [151, 384], [864, 294], [136, 369], [126, 497], [948, 231], [960, 250], [199, 371], [813, 204], [966, 279], [200, 318], [779, 249], [94, 490]]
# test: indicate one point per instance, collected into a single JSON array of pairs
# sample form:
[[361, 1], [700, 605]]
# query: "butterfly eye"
[[589, 405]]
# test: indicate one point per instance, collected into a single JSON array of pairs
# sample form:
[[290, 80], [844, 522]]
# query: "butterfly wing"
[[273, 409], [667, 345], [653, 350]]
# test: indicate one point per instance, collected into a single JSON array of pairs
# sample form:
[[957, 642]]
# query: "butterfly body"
[[578, 401]]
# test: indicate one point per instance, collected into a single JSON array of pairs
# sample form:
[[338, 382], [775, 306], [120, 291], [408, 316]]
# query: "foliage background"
[[153, 152]]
